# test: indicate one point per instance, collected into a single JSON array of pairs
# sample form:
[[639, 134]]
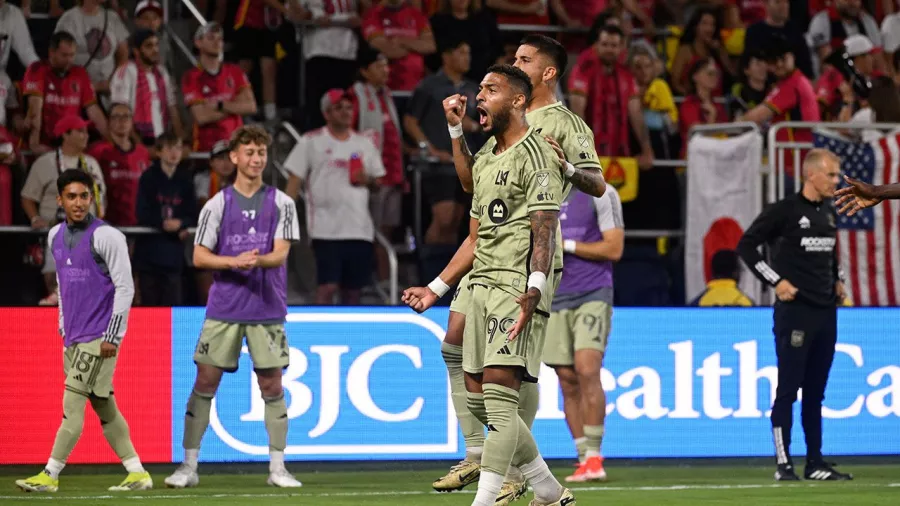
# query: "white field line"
[[200, 495]]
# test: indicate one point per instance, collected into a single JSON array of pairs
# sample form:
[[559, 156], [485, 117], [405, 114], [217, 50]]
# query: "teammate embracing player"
[[244, 236], [543, 60]]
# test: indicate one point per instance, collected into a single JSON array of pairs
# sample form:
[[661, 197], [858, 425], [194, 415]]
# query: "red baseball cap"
[[148, 5], [332, 97], [69, 123]]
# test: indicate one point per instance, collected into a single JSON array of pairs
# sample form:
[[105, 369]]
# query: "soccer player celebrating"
[[95, 292], [244, 235], [543, 59], [515, 218], [594, 237]]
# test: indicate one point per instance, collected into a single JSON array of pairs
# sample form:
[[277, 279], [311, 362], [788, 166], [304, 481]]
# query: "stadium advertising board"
[[369, 383]]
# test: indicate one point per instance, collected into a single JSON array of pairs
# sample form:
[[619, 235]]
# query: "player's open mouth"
[[482, 116]]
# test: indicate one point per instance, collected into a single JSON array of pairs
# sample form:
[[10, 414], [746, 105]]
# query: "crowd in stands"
[[104, 91]]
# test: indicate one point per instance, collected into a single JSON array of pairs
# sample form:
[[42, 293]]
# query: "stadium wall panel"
[[370, 384]]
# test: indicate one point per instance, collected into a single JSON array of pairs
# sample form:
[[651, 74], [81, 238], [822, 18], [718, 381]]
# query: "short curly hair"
[[249, 134]]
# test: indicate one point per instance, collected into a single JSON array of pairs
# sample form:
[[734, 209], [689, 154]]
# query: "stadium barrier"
[[370, 384]]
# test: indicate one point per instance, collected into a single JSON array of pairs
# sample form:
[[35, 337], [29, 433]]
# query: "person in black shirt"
[[801, 232], [777, 22], [753, 86], [165, 201]]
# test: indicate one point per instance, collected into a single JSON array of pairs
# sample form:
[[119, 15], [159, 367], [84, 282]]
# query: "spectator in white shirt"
[[148, 15], [827, 33], [337, 167], [101, 40], [15, 36], [329, 49], [145, 85], [890, 30]]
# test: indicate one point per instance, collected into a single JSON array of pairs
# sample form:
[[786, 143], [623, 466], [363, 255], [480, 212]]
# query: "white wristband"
[[439, 287], [456, 131], [538, 280], [569, 246], [570, 169]]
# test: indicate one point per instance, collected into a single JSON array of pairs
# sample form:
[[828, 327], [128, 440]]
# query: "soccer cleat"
[[462, 474], [282, 478], [823, 471], [41, 482], [567, 499], [183, 477], [786, 472], [511, 492], [134, 481], [590, 470]]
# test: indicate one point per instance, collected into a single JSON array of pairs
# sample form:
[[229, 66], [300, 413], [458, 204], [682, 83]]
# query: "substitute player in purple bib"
[[244, 235], [95, 292], [593, 234]]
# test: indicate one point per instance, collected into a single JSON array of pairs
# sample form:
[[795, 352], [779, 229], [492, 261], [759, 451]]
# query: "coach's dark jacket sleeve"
[[764, 230]]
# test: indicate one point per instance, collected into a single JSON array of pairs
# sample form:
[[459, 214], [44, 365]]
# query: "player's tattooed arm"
[[588, 180], [543, 245], [543, 230], [463, 160]]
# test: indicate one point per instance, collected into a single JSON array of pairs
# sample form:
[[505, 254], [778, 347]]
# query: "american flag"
[[869, 241]]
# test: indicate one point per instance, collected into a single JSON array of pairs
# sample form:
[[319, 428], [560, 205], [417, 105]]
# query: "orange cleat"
[[590, 470]]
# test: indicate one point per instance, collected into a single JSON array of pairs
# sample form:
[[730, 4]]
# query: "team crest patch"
[[797, 338], [583, 141], [543, 178]]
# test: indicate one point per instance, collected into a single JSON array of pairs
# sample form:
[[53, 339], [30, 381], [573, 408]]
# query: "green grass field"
[[667, 485]]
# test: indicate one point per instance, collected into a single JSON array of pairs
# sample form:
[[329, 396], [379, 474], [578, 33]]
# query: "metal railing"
[[777, 149]]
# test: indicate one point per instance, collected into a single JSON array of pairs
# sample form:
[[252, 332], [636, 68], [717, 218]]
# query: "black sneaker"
[[823, 471], [786, 472]]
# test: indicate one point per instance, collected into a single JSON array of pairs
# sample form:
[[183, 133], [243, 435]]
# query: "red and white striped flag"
[[869, 241]]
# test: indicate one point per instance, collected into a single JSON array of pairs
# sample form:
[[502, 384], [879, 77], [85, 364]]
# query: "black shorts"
[[347, 263], [254, 43], [441, 187]]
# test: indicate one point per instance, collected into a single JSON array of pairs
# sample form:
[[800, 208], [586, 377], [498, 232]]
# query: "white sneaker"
[[282, 478], [183, 477]]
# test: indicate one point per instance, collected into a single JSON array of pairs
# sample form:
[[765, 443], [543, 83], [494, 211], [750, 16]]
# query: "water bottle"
[[410, 240]]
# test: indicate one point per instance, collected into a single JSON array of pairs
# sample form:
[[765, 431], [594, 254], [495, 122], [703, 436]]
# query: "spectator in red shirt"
[[403, 34], [521, 12], [792, 98], [739, 13], [375, 116], [698, 108], [861, 49], [581, 13], [122, 161], [700, 40], [255, 39], [604, 93], [218, 94], [56, 89]]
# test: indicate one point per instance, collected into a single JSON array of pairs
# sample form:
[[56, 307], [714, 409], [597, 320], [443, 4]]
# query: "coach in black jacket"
[[800, 231]]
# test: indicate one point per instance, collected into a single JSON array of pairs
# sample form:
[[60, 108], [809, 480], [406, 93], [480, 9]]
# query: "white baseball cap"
[[148, 4], [857, 45]]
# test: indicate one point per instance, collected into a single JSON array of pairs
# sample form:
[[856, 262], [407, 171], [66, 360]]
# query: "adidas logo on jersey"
[[504, 350], [804, 222], [252, 231], [68, 261]]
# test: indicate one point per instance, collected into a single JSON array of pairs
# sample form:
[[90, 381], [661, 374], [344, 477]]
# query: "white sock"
[[591, 453], [54, 467], [276, 461], [133, 465], [270, 111], [474, 454], [546, 487], [190, 457], [489, 486], [514, 474]]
